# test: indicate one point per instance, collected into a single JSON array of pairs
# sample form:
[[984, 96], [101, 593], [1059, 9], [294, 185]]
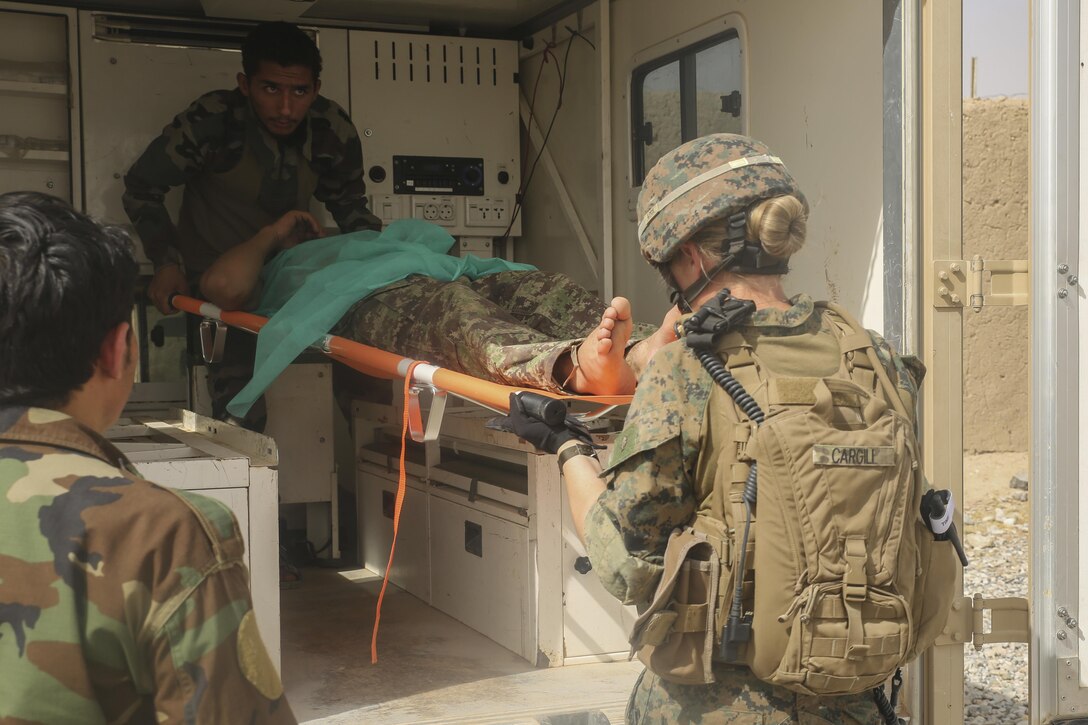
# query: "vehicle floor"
[[430, 669]]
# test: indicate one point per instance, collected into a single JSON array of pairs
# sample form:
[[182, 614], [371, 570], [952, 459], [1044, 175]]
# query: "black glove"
[[526, 421]]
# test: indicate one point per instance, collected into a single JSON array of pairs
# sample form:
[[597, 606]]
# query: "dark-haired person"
[[120, 600], [245, 156]]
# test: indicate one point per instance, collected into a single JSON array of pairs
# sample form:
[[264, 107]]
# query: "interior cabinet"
[[39, 98]]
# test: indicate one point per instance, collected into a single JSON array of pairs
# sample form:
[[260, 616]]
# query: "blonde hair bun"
[[780, 224]]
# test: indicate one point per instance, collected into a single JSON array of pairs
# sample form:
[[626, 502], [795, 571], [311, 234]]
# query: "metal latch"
[[213, 336], [967, 621], [420, 432], [980, 282]]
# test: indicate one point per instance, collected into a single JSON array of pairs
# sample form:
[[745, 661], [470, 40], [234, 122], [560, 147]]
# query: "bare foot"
[[641, 352], [602, 369]]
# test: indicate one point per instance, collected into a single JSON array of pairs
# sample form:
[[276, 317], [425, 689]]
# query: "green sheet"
[[308, 288]]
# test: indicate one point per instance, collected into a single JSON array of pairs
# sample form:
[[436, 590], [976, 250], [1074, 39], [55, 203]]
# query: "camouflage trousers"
[[509, 327], [740, 698]]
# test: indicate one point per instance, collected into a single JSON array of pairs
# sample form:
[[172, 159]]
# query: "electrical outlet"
[[435, 209], [486, 212]]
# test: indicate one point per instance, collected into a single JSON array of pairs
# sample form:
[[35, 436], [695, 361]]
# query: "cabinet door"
[[120, 121], [38, 94], [377, 492], [300, 420], [595, 624], [480, 573]]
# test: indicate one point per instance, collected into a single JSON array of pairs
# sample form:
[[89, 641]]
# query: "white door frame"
[[1058, 544]]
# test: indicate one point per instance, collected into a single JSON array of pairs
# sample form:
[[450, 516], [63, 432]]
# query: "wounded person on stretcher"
[[399, 291]]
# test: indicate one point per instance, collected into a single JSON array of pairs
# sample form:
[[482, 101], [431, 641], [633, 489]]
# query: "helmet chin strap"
[[738, 254], [683, 298]]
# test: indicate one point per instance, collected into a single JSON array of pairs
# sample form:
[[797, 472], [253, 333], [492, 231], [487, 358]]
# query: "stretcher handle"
[[245, 320]]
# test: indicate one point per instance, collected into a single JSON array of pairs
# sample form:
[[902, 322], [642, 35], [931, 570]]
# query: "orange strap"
[[402, 482]]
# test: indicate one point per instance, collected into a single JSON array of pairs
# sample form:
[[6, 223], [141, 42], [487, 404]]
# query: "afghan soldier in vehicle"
[[245, 158], [120, 600]]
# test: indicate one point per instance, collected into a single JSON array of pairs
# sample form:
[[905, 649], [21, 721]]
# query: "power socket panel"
[[487, 211], [435, 209]]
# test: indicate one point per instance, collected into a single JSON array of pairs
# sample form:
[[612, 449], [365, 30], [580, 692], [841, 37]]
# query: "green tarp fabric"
[[308, 288]]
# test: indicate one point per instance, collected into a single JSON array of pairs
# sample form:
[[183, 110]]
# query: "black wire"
[[897, 682], [883, 704], [721, 375], [887, 712], [572, 31], [544, 142], [532, 112]]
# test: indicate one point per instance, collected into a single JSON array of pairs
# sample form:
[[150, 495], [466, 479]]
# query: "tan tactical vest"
[[850, 583]]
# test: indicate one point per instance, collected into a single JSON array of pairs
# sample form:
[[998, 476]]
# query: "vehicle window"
[[661, 112], [718, 82], [689, 93]]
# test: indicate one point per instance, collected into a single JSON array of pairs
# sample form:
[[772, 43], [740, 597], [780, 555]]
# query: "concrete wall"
[[995, 225]]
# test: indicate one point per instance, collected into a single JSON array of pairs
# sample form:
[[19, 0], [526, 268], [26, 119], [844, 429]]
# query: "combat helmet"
[[720, 176]]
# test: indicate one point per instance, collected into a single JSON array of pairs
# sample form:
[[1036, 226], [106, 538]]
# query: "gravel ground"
[[996, 542]]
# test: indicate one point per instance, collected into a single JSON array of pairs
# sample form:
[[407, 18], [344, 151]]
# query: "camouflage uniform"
[[120, 601], [653, 476], [238, 178], [508, 327]]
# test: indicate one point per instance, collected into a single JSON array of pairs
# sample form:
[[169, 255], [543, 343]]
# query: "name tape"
[[824, 455]]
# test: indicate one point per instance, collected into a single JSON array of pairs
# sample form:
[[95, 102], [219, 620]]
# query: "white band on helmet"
[[702, 178]]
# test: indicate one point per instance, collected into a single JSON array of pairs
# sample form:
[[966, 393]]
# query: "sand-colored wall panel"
[[995, 225]]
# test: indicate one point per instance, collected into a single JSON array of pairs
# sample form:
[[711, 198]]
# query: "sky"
[[996, 33]]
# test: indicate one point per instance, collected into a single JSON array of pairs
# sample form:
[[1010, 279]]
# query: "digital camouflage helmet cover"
[[721, 176]]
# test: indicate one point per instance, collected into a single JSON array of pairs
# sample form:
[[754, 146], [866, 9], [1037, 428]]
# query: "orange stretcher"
[[416, 375], [381, 364]]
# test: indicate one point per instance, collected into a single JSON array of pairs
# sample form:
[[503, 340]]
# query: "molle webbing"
[[891, 394], [850, 345]]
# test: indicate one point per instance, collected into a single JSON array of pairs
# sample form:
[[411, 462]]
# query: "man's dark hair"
[[65, 281], [281, 43]]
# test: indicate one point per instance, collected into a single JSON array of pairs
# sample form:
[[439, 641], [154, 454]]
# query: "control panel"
[[438, 120], [471, 215], [438, 175]]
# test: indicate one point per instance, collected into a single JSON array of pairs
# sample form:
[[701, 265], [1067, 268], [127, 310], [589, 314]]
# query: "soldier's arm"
[[176, 155], [233, 282], [650, 488], [628, 526], [582, 474], [340, 187], [209, 660]]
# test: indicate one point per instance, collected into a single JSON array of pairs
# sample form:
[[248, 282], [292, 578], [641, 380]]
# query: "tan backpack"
[[842, 582]]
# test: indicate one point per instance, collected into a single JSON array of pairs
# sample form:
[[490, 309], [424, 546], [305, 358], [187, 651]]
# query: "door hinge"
[[978, 282], [967, 621], [1072, 698]]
